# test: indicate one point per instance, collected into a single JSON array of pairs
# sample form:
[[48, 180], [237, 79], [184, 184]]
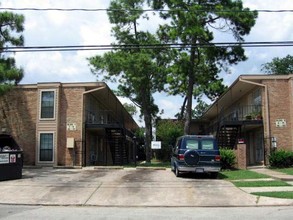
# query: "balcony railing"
[[242, 113], [237, 115], [101, 117]]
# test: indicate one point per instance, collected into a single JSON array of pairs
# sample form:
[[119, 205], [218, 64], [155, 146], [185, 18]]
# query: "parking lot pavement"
[[125, 188]]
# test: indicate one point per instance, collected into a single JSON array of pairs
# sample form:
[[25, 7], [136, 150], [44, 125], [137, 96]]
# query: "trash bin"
[[11, 158]]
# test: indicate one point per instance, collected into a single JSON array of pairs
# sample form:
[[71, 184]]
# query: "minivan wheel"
[[177, 172]]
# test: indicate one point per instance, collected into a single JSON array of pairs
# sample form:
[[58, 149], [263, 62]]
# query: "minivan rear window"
[[192, 144], [207, 144]]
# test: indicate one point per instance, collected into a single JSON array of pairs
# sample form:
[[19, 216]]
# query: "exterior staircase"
[[116, 140], [228, 135]]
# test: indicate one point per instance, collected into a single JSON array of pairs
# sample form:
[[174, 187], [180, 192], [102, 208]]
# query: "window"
[[47, 104], [46, 147], [256, 97], [207, 144], [192, 144]]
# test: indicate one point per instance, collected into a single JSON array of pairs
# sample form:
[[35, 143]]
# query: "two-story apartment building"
[[68, 124], [256, 110]]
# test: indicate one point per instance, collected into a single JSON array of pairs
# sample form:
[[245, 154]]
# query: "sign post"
[[156, 145]]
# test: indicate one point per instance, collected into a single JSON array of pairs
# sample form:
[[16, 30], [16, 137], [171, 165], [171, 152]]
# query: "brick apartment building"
[[256, 110], [68, 124]]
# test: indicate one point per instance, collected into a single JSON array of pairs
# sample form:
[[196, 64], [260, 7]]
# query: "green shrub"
[[228, 158], [167, 131], [281, 159]]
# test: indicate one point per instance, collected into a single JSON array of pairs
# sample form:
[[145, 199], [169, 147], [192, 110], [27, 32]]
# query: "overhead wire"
[[144, 10], [143, 46]]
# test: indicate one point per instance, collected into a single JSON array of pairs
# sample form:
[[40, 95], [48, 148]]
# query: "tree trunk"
[[146, 109], [181, 116], [148, 135], [189, 106], [191, 82]]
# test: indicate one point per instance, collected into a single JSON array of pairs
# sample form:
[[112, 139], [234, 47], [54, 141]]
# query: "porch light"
[[274, 142]]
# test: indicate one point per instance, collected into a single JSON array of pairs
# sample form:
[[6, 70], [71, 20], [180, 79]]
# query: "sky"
[[53, 28]]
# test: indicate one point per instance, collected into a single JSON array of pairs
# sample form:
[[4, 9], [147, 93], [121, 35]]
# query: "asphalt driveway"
[[124, 188]]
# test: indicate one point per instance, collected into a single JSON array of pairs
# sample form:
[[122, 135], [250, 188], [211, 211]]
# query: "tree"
[[279, 66], [140, 72], [167, 131], [130, 108], [200, 109], [207, 84], [191, 24], [11, 27]]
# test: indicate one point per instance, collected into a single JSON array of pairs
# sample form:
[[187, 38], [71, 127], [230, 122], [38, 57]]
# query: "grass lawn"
[[271, 183], [241, 174], [282, 195], [288, 171], [153, 163]]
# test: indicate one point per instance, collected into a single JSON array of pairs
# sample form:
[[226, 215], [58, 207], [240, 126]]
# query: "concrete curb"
[[32, 167], [151, 168], [67, 167], [108, 167]]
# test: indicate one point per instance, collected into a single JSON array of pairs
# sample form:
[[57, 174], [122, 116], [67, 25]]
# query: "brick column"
[[241, 156]]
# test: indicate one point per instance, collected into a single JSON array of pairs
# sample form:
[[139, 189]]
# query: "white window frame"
[[39, 147], [40, 104]]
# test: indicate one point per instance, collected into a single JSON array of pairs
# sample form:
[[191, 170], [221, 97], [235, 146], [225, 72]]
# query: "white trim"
[[40, 104], [94, 90], [53, 147]]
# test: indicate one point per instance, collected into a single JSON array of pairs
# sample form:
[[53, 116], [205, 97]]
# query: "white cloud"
[[58, 19], [169, 104], [54, 66], [271, 26]]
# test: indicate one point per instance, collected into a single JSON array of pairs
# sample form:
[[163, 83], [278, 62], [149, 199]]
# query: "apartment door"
[[256, 147], [259, 143]]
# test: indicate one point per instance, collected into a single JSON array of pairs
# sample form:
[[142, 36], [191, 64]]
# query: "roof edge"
[[265, 76], [57, 84]]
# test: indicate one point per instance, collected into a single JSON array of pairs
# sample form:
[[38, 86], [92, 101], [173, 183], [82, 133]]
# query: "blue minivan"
[[196, 153]]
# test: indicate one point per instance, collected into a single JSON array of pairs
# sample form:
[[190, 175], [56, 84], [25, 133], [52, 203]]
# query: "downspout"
[[268, 130]]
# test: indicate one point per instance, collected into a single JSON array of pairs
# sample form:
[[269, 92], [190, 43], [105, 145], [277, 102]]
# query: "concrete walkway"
[[275, 175]]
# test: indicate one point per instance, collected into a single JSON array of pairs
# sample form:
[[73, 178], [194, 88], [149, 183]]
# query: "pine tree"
[[11, 28]]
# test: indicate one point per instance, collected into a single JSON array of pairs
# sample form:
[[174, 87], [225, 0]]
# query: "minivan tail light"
[[181, 157], [218, 158]]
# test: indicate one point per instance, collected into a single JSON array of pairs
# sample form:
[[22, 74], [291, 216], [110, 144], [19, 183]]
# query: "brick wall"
[[241, 156], [71, 108], [280, 107], [18, 114]]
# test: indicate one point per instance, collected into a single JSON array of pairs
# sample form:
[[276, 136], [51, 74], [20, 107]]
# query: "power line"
[[143, 46], [128, 10]]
